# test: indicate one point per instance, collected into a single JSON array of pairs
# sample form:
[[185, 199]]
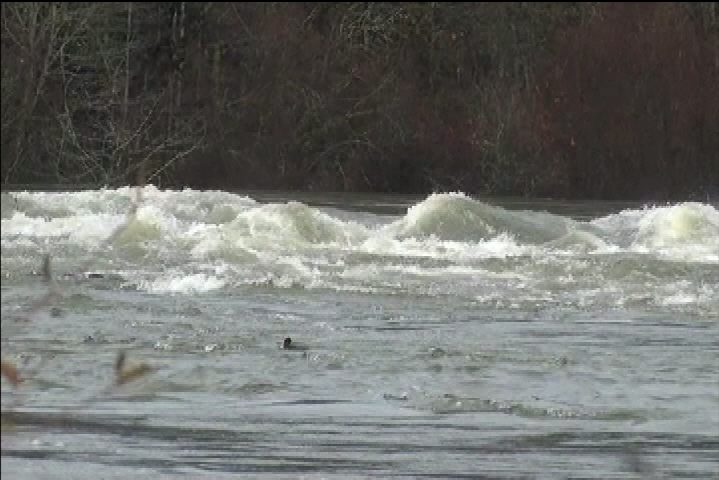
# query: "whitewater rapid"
[[190, 242]]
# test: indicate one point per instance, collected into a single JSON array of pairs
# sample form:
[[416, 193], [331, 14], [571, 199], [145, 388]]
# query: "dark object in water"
[[288, 345], [87, 275], [46, 268], [437, 352], [125, 374], [10, 372]]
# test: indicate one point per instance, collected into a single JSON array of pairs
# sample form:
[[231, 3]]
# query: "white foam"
[[448, 244], [682, 298], [684, 232], [501, 246], [85, 229], [195, 283], [688, 230]]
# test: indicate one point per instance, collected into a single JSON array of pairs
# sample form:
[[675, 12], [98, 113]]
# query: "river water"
[[444, 336]]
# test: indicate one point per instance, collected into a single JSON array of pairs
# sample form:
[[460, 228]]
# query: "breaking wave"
[[448, 244]]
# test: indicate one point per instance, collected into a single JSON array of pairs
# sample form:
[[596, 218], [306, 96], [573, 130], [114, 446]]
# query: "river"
[[442, 336]]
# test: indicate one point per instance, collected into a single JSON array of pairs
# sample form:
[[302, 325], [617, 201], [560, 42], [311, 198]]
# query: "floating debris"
[[125, 374], [10, 372]]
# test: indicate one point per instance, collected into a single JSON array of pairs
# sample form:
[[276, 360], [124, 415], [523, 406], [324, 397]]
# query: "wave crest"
[[457, 217], [679, 225]]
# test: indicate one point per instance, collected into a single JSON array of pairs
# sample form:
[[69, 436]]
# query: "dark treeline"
[[595, 100]]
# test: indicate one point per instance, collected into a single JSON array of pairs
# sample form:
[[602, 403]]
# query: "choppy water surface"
[[444, 336]]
